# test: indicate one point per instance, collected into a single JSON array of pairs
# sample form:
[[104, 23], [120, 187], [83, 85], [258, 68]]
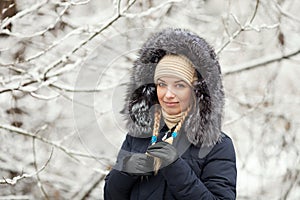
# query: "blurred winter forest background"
[[63, 69]]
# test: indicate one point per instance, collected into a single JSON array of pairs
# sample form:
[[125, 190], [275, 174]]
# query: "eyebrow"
[[179, 81], [174, 82]]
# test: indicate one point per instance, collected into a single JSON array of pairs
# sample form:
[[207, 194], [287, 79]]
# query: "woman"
[[174, 148]]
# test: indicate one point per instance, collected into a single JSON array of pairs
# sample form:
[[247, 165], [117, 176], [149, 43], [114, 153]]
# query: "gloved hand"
[[139, 164], [165, 151]]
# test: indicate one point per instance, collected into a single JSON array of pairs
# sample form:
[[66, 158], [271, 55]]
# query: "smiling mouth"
[[171, 103]]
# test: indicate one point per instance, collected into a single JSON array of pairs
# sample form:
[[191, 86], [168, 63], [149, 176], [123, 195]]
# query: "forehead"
[[170, 79]]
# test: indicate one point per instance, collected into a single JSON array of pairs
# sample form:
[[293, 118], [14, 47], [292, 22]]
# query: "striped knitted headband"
[[175, 65]]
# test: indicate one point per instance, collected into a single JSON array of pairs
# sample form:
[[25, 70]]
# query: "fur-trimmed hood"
[[203, 125]]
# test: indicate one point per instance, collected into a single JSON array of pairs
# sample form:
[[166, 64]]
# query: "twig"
[[40, 185], [79, 2], [43, 97], [14, 180], [12, 67], [22, 13], [83, 43], [293, 183], [285, 13], [93, 187], [39, 54], [28, 82], [84, 193], [70, 153], [245, 114], [82, 104], [41, 32], [71, 89], [15, 197], [262, 27], [254, 13], [25, 84], [65, 57], [242, 28], [261, 62], [152, 10], [119, 7], [66, 88]]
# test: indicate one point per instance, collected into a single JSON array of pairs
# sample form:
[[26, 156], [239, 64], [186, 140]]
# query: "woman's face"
[[174, 95]]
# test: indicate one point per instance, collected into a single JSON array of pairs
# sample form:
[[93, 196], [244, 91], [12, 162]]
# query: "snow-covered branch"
[[14, 180], [151, 10], [53, 53], [73, 154], [260, 62], [286, 13], [22, 13], [241, 29]]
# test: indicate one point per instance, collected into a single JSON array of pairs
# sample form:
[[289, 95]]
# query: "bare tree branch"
[[152, 9], [294, 181], [16, 197], [71, 153], [83, 43], [41, 32], [14, 180], [43, 97], [260, 62], [67, 88], [40, 185], [49, 42], [21, 14], [64, 58], [285, 13], [18, 86], [242, 28], [80, 103], [88, 188]]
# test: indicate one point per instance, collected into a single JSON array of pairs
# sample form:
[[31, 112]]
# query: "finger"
[[157, 150], [155, 147], [150, 159], [151, 153], [142, 160], [142, 155], [160, 154], [158, 145], [143, 169]]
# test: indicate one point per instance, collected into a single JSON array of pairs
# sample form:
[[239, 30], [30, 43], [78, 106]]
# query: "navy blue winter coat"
[[206, 168], [189, 177]]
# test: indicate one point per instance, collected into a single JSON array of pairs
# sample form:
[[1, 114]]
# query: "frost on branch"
[[64, 66]]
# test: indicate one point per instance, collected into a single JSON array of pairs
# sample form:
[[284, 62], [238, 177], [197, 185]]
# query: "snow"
[[262, 104]]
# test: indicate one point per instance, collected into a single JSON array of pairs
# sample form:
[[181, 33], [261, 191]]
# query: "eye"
[[161, 84], [180, 85]]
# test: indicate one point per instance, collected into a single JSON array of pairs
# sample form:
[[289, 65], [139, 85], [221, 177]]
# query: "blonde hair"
[[157, 117]]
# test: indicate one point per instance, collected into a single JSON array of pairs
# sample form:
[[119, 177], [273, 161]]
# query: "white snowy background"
[[63, 69]]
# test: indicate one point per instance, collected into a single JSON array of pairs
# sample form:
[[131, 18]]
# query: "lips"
[[170, 104]]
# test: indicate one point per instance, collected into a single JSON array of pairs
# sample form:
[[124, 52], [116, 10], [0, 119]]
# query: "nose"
[[169, 93]]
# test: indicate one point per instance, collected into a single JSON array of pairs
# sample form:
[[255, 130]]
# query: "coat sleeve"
[[218, 179], [118, 184]]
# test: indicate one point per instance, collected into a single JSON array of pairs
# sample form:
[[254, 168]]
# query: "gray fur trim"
[[203, 124]]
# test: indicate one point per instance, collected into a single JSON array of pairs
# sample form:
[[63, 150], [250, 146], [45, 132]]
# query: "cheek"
[[160, 93], [185, 98]]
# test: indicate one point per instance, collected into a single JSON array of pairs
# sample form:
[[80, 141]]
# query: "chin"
[[172, 111]]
